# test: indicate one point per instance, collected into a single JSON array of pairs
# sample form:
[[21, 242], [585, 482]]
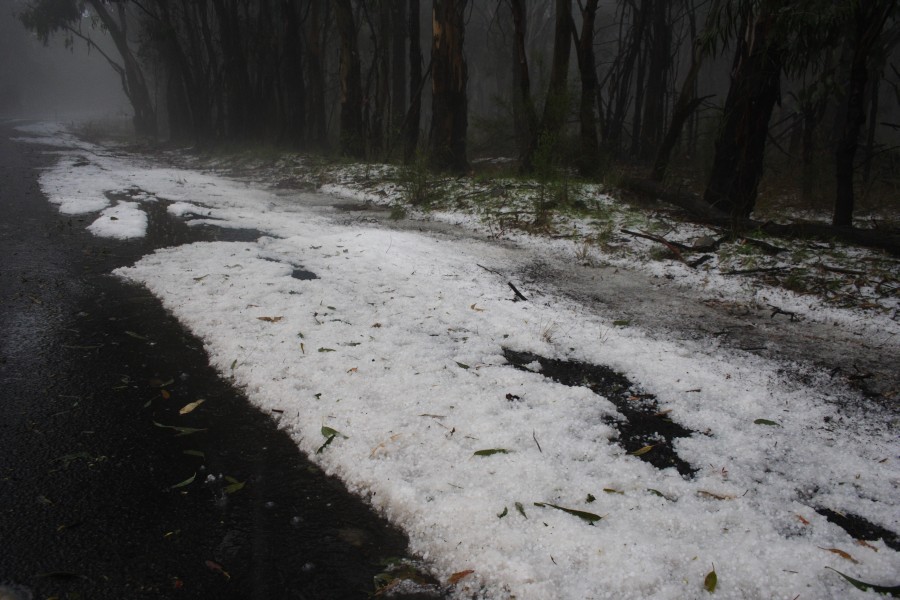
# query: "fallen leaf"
[[461, 365], [181, 430], [589, 517], [270, 319], [165, 394], [710, 581], [802, 520], [353, 370], [841, 553], [590, 498], [862, 585], [766, 422], [504, 513], [521, 509], [190, 407], [136, 336], [326, 349], [184, 483], [866, 544], [201, 278], [457, 577], [622, 323], [234, 486], [642, 451], [714, 495], [217, 568], [611, 491], [476, 309], [490, 452]]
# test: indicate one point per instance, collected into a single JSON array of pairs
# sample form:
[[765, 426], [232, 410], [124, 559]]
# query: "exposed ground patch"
[[644, 424]]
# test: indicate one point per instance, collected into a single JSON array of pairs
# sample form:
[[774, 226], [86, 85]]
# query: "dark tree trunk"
[[588, 159], [869, 20], [291, 76], [740, 146], [524, 117], [398, 65], [642, 52], [238, 91], [657, 76], [685, 106], [316, 120], [134, 84], [556, 106], [619, 94], [449, 105], [413, 117], [352, 135]]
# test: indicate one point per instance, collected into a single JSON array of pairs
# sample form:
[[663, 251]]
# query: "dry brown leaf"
[[802, 520], [190, 407], [457, 577], [353, 370], [165, 394], [841, 553], [384, 444], [476, 309], [706, 494], [270, 319], [217, 568], [866, 544]]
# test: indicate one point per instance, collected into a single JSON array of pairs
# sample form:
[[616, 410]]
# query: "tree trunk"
[[869, 20], [657, 76], [294, 95], [398, 65], [351, 136], [449, 105], [740, 146], [135, 85], [588, 159], [316, 119], [524, 117], [556, 106], [413, 118]]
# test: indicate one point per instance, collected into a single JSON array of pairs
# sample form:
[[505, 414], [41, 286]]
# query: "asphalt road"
[[93, 373]]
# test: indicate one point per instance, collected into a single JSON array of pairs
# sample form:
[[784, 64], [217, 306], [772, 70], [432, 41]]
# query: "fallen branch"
[[518, 294], [840, 270], [674, 247], [781, 311], [762, 270]]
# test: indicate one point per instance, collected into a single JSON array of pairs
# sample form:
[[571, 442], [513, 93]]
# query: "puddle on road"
[[643, 426]]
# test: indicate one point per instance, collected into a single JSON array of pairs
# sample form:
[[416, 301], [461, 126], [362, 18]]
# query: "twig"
[[780, 311], [518, 294], [674, 247], [488, 270], [764, 270], [696, 263], [841, 270], [536, 442]]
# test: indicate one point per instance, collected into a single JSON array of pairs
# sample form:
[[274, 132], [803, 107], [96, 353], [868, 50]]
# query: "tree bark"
[[588, 159], [398, 65], [135, 85], [556, 105], [449, 77], [316, 118], [740, 146], [657, 75], [352, 135], [524, 117], [869, 20], [413, 119]]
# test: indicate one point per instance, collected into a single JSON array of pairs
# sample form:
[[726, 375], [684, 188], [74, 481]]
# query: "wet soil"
[[105, 494], [645, 432]]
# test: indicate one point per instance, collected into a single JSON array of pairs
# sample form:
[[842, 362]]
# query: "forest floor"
[[705, 412]]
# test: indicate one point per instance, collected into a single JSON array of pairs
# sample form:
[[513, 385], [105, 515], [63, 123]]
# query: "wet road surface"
[[103, 492]]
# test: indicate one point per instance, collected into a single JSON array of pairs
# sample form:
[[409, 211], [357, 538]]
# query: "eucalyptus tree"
[[80, 19]]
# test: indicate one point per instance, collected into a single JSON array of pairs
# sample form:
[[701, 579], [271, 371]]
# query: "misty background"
[[53, 82]]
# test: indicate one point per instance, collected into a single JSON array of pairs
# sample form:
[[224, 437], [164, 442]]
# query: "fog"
[[53, 82]]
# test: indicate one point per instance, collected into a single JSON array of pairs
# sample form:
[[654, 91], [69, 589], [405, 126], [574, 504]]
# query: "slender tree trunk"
[[556, 106], [869, 21], [294, 95], [657, 76], [524, 117], [588, 159], [449, 106], [413, 119], [352, 134], [134, 83], [740, 146], [398, 65], [316, 120]]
